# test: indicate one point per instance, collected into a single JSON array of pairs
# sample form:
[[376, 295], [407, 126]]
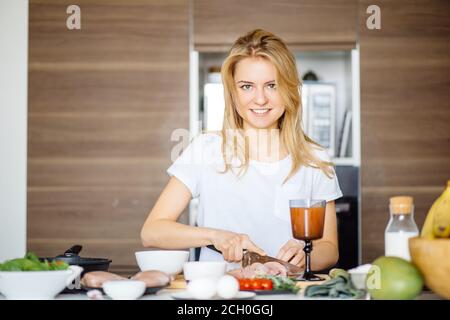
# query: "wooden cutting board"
[[178, 283]]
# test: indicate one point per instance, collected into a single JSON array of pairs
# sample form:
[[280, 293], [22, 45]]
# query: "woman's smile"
[[261, 112]]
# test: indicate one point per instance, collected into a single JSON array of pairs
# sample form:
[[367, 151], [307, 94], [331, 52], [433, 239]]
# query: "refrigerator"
[[319, 113]]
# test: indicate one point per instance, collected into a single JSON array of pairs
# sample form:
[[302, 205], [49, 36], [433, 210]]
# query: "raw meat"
[[259, 269], [95, 279], [153, 278]]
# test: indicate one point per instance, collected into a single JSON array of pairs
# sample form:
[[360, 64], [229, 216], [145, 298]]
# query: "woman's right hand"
[[232, 244]]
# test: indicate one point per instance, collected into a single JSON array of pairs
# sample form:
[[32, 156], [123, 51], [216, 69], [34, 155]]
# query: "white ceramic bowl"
[[358, 280], [204, 269], [36, 285], [124, 289], [358, 276], [168, 261]]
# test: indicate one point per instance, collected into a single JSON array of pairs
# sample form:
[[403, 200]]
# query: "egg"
[[227, 287], [202, 288]]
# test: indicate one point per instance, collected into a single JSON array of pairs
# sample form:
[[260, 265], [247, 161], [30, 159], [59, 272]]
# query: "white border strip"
[[13, 127], [356, 136]]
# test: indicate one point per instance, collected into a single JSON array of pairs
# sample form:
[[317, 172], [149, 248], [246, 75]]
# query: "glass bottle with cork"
[[400, 228]]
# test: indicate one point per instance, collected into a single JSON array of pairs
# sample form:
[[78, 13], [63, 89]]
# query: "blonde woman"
[[245, 175]]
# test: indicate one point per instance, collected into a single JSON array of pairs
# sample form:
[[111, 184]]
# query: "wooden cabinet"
[[405, 103], [305, 23], [103, 102]]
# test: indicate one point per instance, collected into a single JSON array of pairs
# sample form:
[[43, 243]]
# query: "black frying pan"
[[71, 257]]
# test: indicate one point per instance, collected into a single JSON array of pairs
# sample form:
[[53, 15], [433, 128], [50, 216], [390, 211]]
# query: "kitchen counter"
[[165, 294]]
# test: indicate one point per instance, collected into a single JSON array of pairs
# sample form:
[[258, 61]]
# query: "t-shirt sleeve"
[[324, 187], [187, 167]]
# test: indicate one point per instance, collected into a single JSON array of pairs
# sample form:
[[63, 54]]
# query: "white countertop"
[[165, 294]]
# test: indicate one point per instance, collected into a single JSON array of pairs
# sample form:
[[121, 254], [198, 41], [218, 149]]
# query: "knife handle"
[[245, 259], [210, 246]]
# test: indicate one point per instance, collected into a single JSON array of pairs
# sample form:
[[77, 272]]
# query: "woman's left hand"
[[292, 252]]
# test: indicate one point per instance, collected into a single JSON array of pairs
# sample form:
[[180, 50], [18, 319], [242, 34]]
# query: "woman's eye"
[[272, 86], [246, 87]]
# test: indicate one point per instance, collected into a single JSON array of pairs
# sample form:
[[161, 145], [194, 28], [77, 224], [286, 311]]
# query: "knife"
[[252, 257]]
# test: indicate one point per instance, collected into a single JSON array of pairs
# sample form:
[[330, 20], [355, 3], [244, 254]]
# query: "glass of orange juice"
[[307, 221]]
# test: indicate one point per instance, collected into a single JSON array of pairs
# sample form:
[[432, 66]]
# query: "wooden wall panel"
[[103, 102], [108, 89], [97, 172], [405, 111], [75, 206], [306, 22], [120, 31], [124, 134]]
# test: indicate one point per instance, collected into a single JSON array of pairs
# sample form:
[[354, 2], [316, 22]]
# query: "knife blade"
[[252, 257]]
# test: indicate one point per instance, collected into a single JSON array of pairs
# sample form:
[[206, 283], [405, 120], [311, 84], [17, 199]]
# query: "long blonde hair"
[[260, 43]]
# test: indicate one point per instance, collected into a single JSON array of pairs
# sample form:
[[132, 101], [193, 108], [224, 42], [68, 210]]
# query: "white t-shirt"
[[257, 203]]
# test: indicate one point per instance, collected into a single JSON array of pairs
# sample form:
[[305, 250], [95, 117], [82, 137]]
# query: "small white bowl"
[[168, 261], [358, 280], [39, 285], [124, 289], [358, 276], [204, 269]]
